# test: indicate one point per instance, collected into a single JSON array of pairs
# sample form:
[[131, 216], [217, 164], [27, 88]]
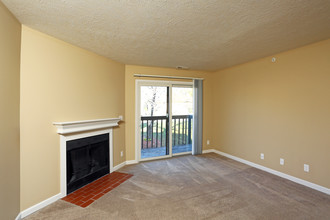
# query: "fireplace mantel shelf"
[[64, 128]]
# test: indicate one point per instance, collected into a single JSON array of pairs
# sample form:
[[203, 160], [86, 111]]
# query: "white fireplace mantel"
[[64, 128], [81, 129]]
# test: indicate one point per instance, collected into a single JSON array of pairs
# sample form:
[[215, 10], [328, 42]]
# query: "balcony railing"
[[154, 131]]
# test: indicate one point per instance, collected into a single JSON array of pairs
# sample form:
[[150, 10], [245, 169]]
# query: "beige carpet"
[[198, 187]]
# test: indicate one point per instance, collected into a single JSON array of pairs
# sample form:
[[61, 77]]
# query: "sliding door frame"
[[138, 84]]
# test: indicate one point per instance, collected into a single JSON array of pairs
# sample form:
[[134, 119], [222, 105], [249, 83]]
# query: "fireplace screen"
[[87, 160]]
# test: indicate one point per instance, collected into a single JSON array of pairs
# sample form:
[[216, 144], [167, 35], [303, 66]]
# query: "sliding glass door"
[[182, 118], [154, 121], [164, 119]]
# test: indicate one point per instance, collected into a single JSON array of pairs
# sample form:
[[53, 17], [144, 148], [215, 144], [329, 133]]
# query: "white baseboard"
[[275, 172], [129, 162], [119, 166], [40, 205], [18, 217], [208, 151]]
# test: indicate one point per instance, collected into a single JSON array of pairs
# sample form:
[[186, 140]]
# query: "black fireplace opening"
[[87, 160]]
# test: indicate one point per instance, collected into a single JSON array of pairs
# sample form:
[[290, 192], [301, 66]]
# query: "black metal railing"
[[181, 130], [154, 131]]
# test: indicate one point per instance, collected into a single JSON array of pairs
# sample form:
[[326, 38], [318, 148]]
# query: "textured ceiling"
[[199, 34]]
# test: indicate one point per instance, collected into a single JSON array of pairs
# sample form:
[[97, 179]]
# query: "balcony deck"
[[161, 151], [155, 135]]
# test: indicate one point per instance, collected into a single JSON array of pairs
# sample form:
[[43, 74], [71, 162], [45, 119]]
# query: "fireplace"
[[86, 151], [87, 159]]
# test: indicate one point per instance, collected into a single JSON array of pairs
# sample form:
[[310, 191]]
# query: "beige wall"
[[130, 100], [10, 42], [280, 109], [61, 82]]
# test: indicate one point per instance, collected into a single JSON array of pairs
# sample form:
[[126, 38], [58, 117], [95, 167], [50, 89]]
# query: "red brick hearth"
[[86, 195]]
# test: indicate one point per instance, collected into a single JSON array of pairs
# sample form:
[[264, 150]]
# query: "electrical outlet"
[[306, 168], [121, 153], [121, 117], [262, 156], [208, 142], [281, 161]]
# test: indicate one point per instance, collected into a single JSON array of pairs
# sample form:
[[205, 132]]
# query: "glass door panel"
[[182, 114], [154, 121]]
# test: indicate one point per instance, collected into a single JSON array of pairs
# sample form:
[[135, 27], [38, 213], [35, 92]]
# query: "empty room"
[[189, 109]]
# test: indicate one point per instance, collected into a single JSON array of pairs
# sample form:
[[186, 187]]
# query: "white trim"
[[82, 126], [65, 138], [161, 83], [170, 114], [117, 167], [208, 151], [18, 216], [63, 141], [168, 77], [275, 172], [129, 162], [137, 120], [40, 205], [155, 158]]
